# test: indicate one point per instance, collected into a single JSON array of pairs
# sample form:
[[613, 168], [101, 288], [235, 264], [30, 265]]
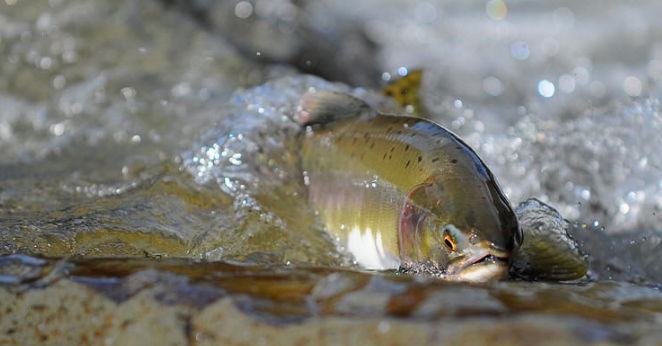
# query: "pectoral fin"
[[322, 106]]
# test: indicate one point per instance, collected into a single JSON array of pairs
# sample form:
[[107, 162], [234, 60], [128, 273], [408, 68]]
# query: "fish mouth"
[[483, 267], [488, 259]]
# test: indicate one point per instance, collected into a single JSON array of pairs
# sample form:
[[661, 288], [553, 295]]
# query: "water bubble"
[[287, 11], [496, 9], [493, 86], [70, 56], [57, 129], [59, 82], [235, 159], [567, 83], [596, 223], [457, 103], [45, 63], [402, 71], [128, 92], [564, 19], [632, 86], [586, 194], [546, 88], [519, 50], [386, 76], [655, 69], [425, 13], [624, 208], [598, 89], [181, 89], [264, 8], [243, 9]]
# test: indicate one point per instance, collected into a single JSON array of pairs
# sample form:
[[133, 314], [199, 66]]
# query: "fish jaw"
[[479, 273], [482, 266]]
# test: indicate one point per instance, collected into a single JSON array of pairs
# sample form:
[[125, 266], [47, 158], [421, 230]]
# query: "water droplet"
[[564, 19], [46, 63], [235, 159], [493, 86], [519, 50], [581, 75], [496, 9], [598, 89], [624, 208], [425, 13], [546, 88], [57, 129], [567, 83], [243, 9], [632, 86], [128, 92], [59, 82]]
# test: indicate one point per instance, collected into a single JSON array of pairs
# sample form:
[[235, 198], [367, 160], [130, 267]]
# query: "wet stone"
[[191, 296], [18, 269]]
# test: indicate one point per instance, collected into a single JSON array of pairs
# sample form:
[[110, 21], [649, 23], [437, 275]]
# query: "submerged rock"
[[132, 302]]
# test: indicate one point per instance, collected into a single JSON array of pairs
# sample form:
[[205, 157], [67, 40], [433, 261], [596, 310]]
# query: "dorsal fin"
[[324, 106], [405, 91]]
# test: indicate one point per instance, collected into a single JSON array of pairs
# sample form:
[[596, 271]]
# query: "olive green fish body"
[[397, 189]]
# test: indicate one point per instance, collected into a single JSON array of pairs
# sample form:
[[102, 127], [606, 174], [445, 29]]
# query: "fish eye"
[[449, 240]]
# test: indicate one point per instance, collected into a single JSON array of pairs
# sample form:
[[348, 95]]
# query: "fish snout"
[[482, 266]]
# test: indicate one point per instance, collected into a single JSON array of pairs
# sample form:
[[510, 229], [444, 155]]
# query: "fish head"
[[466, 231]]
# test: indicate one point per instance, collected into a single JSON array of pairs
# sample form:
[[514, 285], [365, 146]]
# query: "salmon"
[[399, 192]]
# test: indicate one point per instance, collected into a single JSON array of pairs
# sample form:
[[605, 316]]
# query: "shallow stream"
[[164, 129]]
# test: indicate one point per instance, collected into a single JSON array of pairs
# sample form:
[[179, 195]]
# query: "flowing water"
[[165, 129]]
